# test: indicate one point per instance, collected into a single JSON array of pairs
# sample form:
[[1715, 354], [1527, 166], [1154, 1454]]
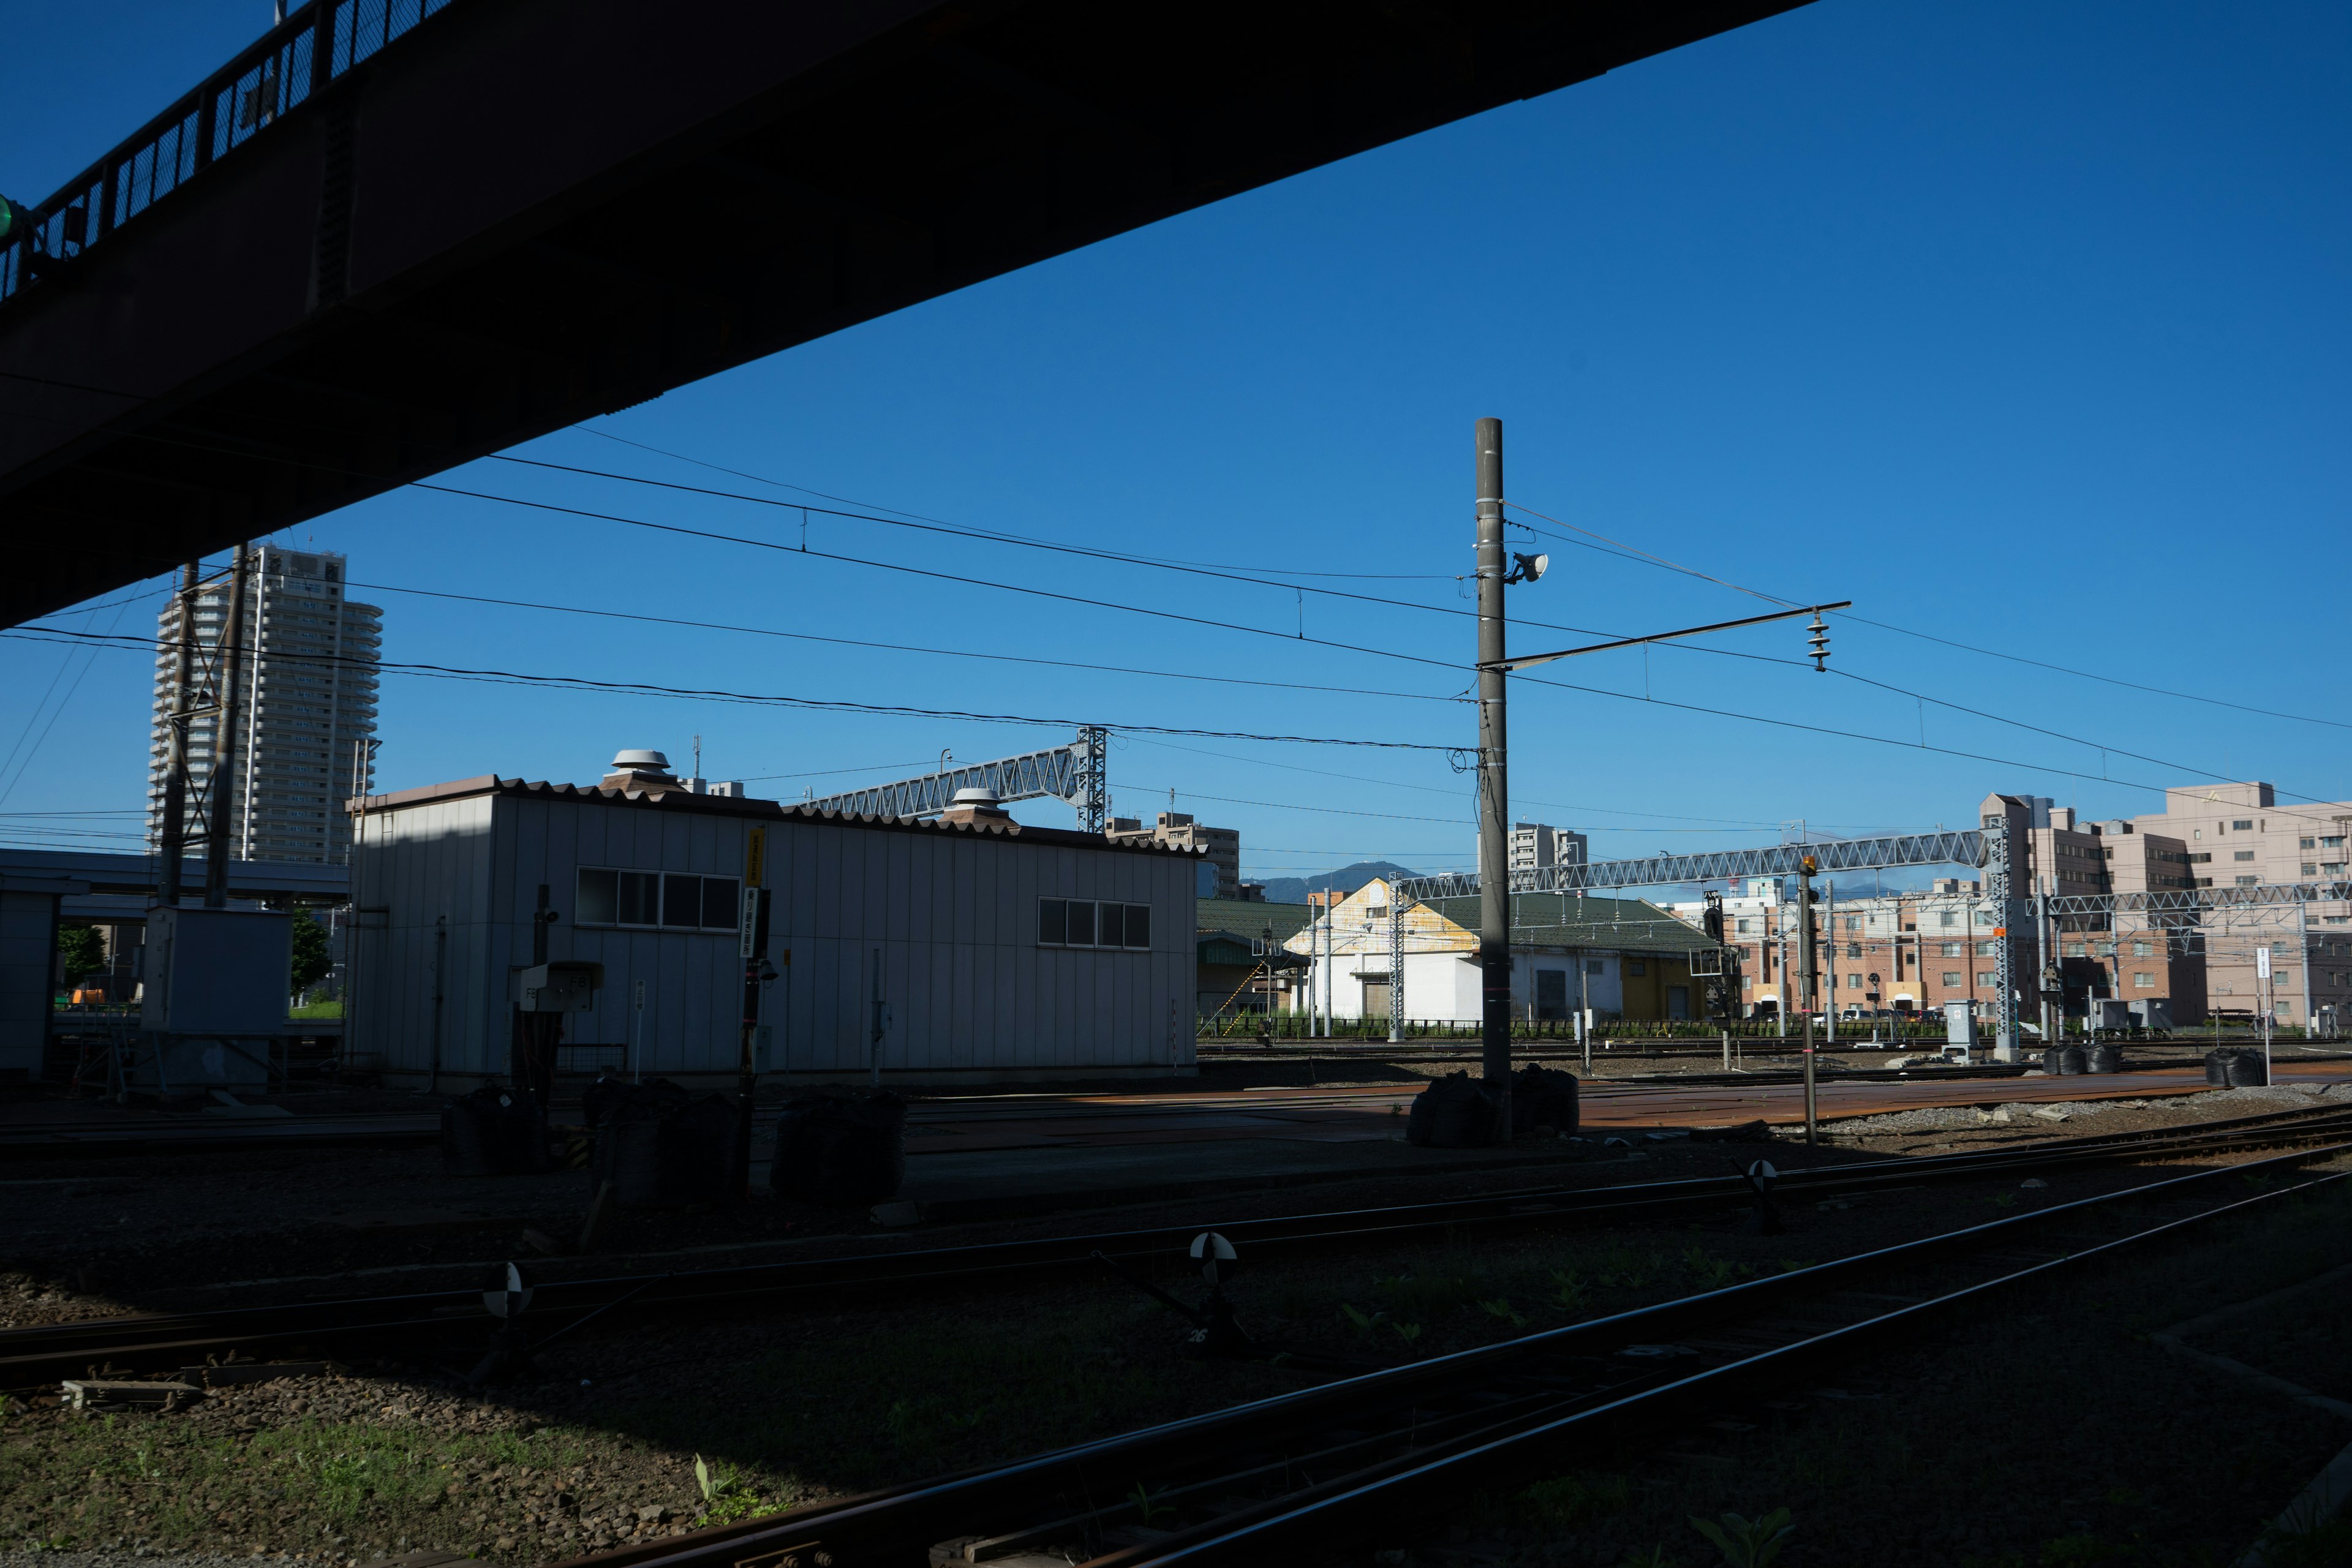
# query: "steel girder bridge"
[[1074, 772], [387, 239]]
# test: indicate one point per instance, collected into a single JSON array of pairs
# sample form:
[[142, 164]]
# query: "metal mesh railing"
[[236, 103]]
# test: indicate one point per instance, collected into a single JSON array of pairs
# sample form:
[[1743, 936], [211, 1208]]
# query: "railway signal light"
[[1819, 641], [16, 223]]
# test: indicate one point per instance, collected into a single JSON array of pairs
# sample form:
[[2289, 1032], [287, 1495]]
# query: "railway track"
[[1373, 1457], [43, 1354]]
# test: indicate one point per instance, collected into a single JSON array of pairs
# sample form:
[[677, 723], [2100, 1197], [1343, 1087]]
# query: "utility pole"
[[1808, 962], [1781, 944], [1493, 809], [175, 782], [1828, 934], [228, 670]]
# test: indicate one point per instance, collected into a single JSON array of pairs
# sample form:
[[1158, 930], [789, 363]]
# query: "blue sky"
[[2021, 326]]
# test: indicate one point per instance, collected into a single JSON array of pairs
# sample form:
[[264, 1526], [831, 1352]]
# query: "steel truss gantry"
[[1958, 848], [2201, 901], [1074, 772]]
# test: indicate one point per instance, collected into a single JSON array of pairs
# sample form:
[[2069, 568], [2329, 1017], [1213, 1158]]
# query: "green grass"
[[332, 1008], [140, 1477]]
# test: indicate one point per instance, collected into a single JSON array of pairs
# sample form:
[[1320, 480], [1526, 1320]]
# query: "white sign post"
[[2263, 997]]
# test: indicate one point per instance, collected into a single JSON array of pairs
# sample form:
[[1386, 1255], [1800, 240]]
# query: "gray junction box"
[[217, 972]]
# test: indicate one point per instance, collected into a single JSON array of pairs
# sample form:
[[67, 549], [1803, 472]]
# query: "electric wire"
[[920, 517], [701, 694], [1628, 551], [941, 576], [897, 647], [1324, 642], [1631, 553]]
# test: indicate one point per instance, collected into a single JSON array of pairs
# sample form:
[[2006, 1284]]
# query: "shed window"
[[1636, 966], [605, 897], [1082, 922], [640, 902], [722, 901]]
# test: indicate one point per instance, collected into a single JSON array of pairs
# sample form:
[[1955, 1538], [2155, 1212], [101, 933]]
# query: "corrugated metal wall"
[[951, 919]]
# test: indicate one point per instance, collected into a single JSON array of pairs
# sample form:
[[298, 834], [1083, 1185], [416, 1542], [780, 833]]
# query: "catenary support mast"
[[1493, 809]]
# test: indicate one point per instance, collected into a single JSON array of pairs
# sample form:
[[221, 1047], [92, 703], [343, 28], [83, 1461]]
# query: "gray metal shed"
[[986, 969]]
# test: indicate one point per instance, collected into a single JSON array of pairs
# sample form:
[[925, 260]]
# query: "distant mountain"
[[1347, 879]]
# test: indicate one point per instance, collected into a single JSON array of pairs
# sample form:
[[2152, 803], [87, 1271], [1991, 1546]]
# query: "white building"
[[995, 951], [1615, 958], [308, 698], [1536, 847]]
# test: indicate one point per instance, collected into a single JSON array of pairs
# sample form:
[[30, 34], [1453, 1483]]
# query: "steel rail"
[[1345, 1509], [36, 1353], [892, 1525], [43, 1352]]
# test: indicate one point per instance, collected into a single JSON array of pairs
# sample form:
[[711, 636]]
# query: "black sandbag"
[[2104, 1059], [2054, 1060], [599, 1099], [2073, 1060], [664, 1150], [493, 1132], [1453, 1112], [1543, 1097], [2248, 1070], [657, 1097], [841, 1149], [2217, 1068]]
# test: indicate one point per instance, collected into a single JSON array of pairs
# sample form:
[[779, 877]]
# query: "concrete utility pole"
[[1807, 963], [175, 783], [1493, 809], [228, 679]]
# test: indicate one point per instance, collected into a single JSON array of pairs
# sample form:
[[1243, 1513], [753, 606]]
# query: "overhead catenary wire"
[[944, 576], [920, 517], [1643, 557], [1386, 653], [1630, 552], [898, 647], [701, 694], [1607, 545]]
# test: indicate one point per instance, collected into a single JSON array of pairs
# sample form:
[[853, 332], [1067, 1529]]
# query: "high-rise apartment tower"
[[308, 682]]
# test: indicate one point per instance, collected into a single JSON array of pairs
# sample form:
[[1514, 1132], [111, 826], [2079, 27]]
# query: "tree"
[[311, 959], [80, 951]]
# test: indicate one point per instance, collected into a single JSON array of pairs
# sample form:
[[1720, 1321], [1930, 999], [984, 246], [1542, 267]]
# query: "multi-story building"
[[1177, 830], [1536, 847], [2239, 835], [306, 708]]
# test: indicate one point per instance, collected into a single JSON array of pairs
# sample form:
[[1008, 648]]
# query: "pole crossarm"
[[1062, 772], [1527, 661], [2197, 900], [1954, 848]]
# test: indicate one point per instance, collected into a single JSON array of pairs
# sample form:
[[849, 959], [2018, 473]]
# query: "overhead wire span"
[[939, 577], [699, 694], [898, 647], [1260, 631], [920, 517], [1643, 557]]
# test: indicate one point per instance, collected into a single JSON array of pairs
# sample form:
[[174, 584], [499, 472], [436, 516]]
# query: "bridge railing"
[[277, 74]]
